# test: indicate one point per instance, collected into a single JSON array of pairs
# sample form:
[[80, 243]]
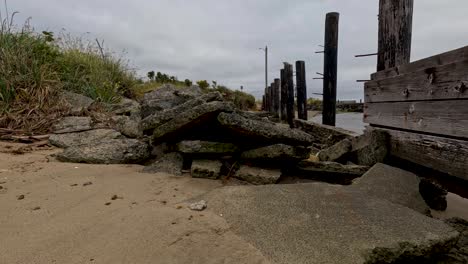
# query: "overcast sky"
[[219, 39]]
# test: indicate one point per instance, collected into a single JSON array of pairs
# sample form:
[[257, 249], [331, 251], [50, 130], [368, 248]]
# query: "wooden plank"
[[395, 28], [442, 154], [449, 81], [439, 117], [434, 61]]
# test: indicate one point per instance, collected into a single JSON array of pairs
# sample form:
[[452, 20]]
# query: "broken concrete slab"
[[90, 137], [321, 223], [257, 176], [331, 172], [155, 120], [394, 185], [113, 151], [264, 131], [166, 97], [328, 135], [71, 124], [277, 153], [171, 163], [206, 169], [459, 253], [204, 148], [367, 150], [77, 103], [189, 119], [126, 107], [127, 126]]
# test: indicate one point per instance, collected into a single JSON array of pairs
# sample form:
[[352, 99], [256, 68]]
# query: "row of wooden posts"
[[279, 96]]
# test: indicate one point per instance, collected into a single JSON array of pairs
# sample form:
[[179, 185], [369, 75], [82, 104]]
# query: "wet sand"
[[55, 212]]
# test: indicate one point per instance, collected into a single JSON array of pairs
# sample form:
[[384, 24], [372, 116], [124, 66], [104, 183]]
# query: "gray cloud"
[[219, 40]]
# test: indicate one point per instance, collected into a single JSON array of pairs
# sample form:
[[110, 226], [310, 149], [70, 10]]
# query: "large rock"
[[257, 176], [161, 117], [91, 137], [392, 184], [256, 130], [114, 151], [459, 253], [207, 169], [322, 223], [189, 119], [126, 107], [72, 124], [128, 126], [278, 153], [171, 163], [167, 96], [76, 102], [368, 149], [328, 135], [198, 147], [330, 172]]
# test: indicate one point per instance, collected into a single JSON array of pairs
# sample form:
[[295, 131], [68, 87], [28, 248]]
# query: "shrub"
[[203, 84], [241, 100], [188, 82]]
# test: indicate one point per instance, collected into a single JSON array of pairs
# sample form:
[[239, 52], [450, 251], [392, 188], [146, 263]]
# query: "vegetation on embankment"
[[36, 66]]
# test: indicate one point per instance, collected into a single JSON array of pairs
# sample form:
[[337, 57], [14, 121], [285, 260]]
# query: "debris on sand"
[[198, 206]]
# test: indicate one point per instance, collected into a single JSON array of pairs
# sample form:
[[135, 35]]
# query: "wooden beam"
[[301, 88], [277, 88], [434, 61], [395, 28], [289, 72], [449, 81], [438, 153], [448, 118], [284, 96], [330, 69]]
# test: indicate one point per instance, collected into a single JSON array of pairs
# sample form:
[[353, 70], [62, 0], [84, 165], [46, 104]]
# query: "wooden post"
[[284, 96], [288, 74], [395, 29], [301, 88], [330, 69], [269, 99], [266, 100], [277, 86], [263, 103]]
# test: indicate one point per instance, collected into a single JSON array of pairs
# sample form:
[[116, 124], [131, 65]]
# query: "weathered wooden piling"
[[266, 100], [395, 29], [301, 89], [284, 96], [288, 74], [263, 103], [277, 87], [330, 69]]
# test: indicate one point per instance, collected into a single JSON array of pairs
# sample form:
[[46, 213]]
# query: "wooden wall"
[[424, 107]]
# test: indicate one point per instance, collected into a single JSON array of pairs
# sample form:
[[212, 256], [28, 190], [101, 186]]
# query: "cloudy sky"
[[219, 39]]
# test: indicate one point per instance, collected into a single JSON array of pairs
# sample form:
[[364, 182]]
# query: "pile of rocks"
[[177, 130]]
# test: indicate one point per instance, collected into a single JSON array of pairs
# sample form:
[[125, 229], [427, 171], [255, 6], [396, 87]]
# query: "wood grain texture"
[[439, 117], [449, 81], [442, 154], [433, 61], [395, 27]]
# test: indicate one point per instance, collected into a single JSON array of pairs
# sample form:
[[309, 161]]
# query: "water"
[[349, 121]]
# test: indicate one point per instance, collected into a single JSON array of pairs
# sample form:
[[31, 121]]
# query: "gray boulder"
[[207, 169], [113, 151], [126, 107], [336, 151], [167, 96], [264, 131], [327, 135], [278, 152], [257, 176], [394, 185], [161, 117], [129, 127], [77, 103], [198, 147], [189, 119], [330, 172], [171, 163], [459, 253], [72, 124], [91, 137]]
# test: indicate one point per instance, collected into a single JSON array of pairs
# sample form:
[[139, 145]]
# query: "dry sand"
[[50, 215]]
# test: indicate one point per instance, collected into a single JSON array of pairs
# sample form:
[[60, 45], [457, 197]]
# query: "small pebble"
[[36, 208], [164, 202], [73, 185], [87, 183], [198, 206], [108, 203], [21, 197], [179, 207]]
